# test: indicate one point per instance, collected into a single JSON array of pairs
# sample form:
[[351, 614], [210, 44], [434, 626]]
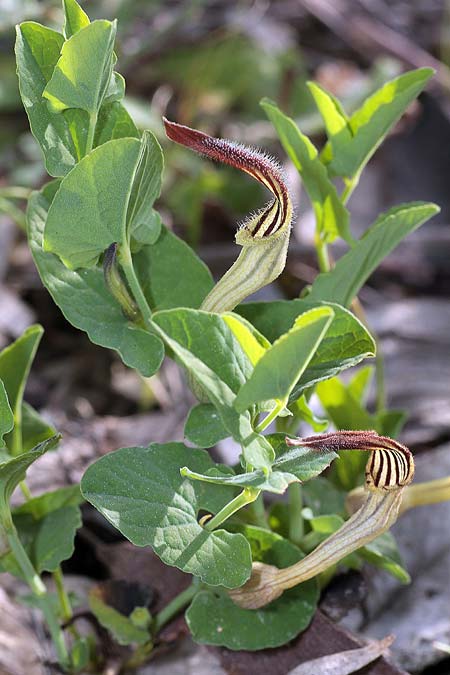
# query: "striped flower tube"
[[264, 236], [389, 470]]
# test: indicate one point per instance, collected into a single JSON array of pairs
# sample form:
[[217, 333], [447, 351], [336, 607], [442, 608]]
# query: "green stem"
[[270, 417], [380, 402], [25, 490], [379, 375], [258, 513], [17, 440], [322, 255], [91, 132], [66, 607], [174, 607], [247, 496], [350, 185], [296, 530], [13, 212], [126, 263], [64, 601], [40, 592], [15, 192]]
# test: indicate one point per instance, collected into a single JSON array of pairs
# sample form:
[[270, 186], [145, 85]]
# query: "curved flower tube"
[[264, 236], [420, 494], [389, 470]]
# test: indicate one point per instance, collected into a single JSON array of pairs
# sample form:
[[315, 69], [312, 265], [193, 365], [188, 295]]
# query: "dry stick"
[[389, 470]]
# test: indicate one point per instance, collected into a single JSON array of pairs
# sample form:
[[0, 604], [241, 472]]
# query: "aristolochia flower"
[[264, 236], [389, 470]]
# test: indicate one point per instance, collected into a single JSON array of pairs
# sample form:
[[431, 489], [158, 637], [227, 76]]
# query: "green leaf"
[[251, 340], [62, 136], [120, 626], [48, 540], [383, 553], [164, 289], [343, 282], [346, 343], [302, 412], [15, 364], [53, 540], [93, 208], [114, 122], [278, 370], [13, 471], [390, 422], [116, 88], [44, 504], [360, 384], [141, 492], [332, 218], [6, 414], [353, 145], [34, 428], [322, 497], [75, 18], [214, 619], [292, 464], [147, 232], [346, 412], [146, 182], [333, 115], [37, 52], [84, 299], [208, 337], [82, 74], [208, 349], [204, 427]]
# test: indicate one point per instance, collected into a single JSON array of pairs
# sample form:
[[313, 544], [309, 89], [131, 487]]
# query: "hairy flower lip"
[[257, 164], [228, 152], [390, 466], [264, 236]]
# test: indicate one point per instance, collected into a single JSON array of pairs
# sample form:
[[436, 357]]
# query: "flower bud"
[[116, 285]]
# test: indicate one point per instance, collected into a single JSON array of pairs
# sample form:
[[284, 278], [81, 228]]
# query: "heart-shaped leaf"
[[141, 492], [214, 619], [85, 300]]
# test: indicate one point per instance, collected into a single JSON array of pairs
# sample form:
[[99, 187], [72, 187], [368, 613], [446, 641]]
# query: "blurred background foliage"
[[207, 64]]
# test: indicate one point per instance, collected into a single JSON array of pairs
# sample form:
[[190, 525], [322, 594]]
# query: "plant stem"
[[91, 132], [13, 212], [25, 490], [258, 512], [296, 530], [350, 185], [15, 192], [64, 601], [40, 592], [176, 605], [322, 255], [17, 440], [380, 402], [138, 294], [270, 417], [247, 496]]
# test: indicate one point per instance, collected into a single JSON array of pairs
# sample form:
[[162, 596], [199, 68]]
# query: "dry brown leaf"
[[344, 663]]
